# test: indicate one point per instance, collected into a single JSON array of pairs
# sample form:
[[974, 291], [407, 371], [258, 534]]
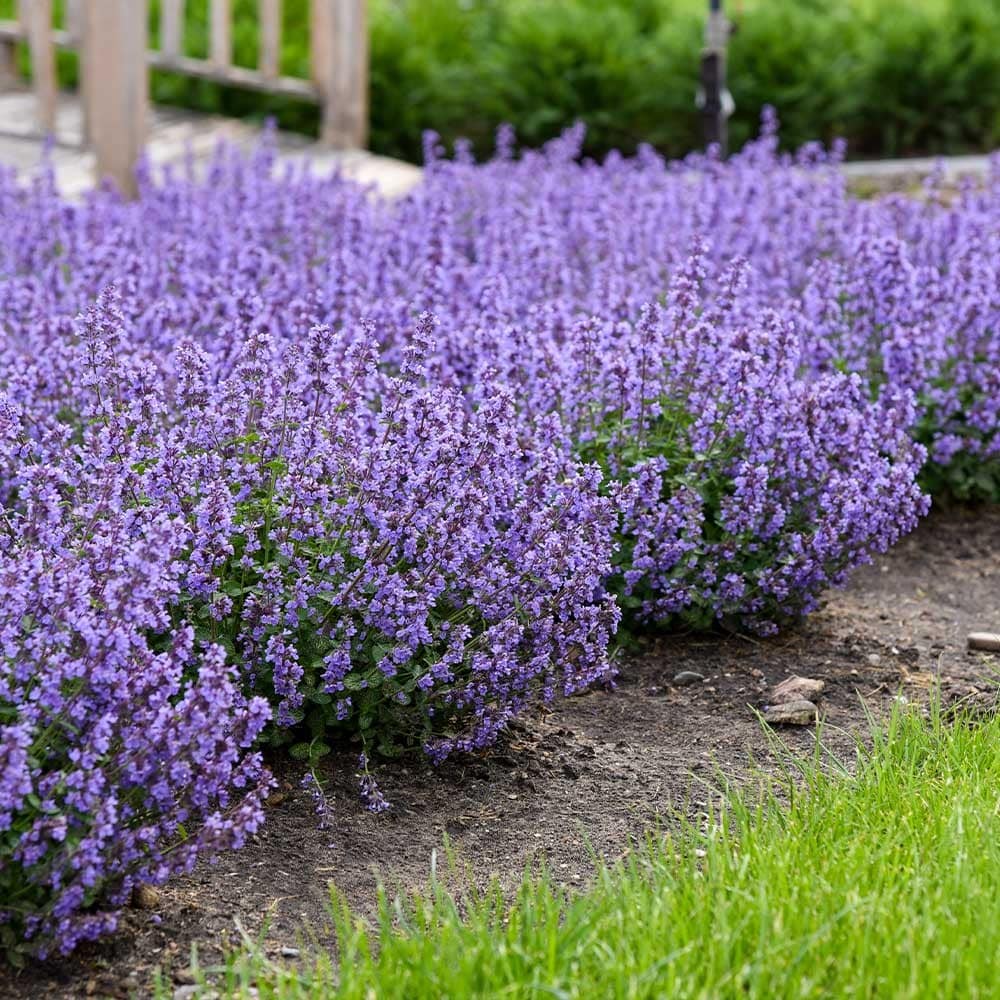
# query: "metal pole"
[[714, 100]]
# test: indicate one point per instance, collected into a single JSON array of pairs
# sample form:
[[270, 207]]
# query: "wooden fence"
[[111, 37]]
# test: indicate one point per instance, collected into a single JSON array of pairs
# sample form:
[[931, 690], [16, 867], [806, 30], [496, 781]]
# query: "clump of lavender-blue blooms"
[[362, 548], [124, 742], [282, 461], [900, 290], [373, 554], [750, 489]]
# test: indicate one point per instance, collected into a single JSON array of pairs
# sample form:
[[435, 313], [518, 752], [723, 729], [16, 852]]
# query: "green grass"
[[881, 879]]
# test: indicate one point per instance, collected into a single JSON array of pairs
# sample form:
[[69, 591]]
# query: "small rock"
[[145, 897], [287, 952], [791, 713], [686, 677], [184, 976], [571, 772], [797, 688], [988, 641], [874, 659]]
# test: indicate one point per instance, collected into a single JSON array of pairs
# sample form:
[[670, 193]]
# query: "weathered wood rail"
[[112, 39]]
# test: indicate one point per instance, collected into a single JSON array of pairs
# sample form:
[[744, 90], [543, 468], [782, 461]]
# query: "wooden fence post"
[[221, 34], [43, 62], [117, 89], [269, 62], [172, 28], [340, 70], [76, 28]]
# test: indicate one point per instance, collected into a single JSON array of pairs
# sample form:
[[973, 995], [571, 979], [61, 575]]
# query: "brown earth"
[[593, 770]]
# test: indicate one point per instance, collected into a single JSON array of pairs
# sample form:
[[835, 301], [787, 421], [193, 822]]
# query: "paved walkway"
[[174, 131], [954, 166], [887, 174]]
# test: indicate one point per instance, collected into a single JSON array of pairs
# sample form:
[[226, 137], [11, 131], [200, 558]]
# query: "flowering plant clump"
[[398, 570], [901, 291], [533, 240], [362, 549], [374, 556], [744, 489], [122, 758], [933, 331], [327, 466], [755, 491]]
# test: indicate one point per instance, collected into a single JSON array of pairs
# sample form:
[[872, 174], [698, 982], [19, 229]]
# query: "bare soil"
[[586, 774]]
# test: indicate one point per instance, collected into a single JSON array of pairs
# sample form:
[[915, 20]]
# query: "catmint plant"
[[124, 742], [282, 461]]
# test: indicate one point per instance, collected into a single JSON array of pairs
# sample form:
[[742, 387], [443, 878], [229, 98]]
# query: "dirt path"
[[597, 768]]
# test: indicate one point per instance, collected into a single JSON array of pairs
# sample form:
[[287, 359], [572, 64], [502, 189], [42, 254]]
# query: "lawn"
[[869, 875]]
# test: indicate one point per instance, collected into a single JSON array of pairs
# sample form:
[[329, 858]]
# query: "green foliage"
[[893, 77], [388, 713], [872, 877], [803, 58], [966, 476], [623, 448], [929, 79], [620, 68]]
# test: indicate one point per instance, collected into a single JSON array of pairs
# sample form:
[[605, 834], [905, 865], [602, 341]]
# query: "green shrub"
[[892, 77]]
